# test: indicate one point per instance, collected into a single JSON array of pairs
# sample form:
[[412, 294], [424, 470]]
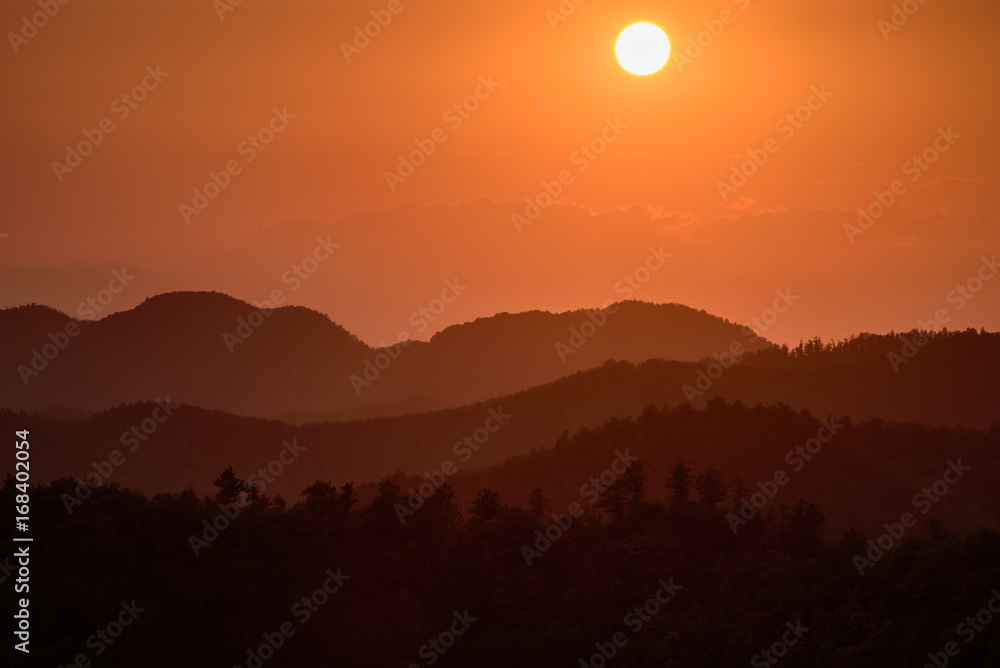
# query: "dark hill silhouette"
[[929, 390], [23, 328], [511, 352], [951, 380], [866, 475], [172, 345], [185, 346]]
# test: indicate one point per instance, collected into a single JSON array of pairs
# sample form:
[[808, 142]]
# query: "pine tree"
[[680, 485]]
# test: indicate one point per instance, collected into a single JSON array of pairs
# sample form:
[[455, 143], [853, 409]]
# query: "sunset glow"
[[528, 333], [642, 48]]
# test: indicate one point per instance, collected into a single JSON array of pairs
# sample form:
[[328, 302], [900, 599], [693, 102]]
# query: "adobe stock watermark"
[[60, 340], [101, 639], [134, 437], [248, 149], [22, 618], [7, 568], [967, 630], [30, 25], [901, 13], [265, 476], [714, 28], [364, 34], [464, 449], [294, 277], [223, 7], [455, 117], [705, 378], [923, 501], [636, 620], [786, 126], [582, 158], [230, 512], [421, 320], [915, 168], [436, 647], [779, 648], [599, 484], [90, 307], [591, 491], [626, 287], [40, 359], [758, 325], [301, 612], [797, 458], [562, 13], [121, 108], [958, 298]]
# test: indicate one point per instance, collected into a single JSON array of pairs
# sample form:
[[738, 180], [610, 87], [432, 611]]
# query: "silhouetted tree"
[[537, 503], [319, 491], [805, 529], [740, 492], [680, 485], [487, 505], [439, 513], [614, 501], [711, 488], [383, 511], [909, 599], [329, 504], [233, 489], [347, 498]]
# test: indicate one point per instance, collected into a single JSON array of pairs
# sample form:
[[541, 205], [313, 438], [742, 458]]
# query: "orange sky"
[[554, 89]]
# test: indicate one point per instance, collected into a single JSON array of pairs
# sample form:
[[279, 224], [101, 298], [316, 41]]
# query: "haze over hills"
[[950, 381], [573, 257], [299, 362], [210, 350], [863, 476], [452, 334]]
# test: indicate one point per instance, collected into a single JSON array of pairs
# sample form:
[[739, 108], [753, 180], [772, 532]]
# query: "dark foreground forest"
[[610, 578]]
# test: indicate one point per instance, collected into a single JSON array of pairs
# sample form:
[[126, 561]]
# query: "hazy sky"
[[266, 90]]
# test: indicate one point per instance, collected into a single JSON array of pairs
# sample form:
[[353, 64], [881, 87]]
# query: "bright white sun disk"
[[642, 48]]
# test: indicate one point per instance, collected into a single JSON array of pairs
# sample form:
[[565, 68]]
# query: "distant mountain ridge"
[[951, 382], [214, 351], [860, 477], [886, 462]]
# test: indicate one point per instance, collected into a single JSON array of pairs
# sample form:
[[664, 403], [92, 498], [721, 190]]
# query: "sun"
[[642, 48]]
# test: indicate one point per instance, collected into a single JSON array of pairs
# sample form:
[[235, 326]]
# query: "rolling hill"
[[210, 350], [951, 382]]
